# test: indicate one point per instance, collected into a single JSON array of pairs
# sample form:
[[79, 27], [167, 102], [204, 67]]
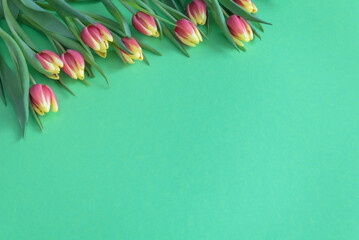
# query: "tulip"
[[247, 5], [97, 37], [135, 49], [187, 32], [41, 98], [197, 12], [145, 24], [74, 64], [239, 29], [50, 62]]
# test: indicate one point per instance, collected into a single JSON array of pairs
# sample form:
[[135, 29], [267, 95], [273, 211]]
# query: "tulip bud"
[[50, 62], [187, 32], [197, 12], [74, 64], [132, 45], [239, 29], [41, 98], [247, 5], [145, 24], [97, 37]]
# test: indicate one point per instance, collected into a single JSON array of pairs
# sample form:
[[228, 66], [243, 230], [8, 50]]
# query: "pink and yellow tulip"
[[97, 37], [145, 24], [239, 29], [42, 98], [135, 49], [187, 32], [197, 12], [74, 64], [247, 5], [50, 62]]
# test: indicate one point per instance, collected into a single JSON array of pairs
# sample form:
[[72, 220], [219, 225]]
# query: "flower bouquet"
[[76, 35]]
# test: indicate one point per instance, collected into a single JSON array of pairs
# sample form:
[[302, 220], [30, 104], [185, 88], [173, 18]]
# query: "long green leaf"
[[61, 5], [16, 85], [14, 10], [47, 19], [10, 18], [113, 10], [148, 47], [2, 92], [141, 6], [238, 10], [220, 20]]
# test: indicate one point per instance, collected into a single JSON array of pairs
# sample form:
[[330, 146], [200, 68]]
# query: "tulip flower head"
[[74, 64], [145, 24], [135, 49], [197, 12], [42, 98], [187, 32], [50, 62], [247, 5], [239, 29], [97, 37]]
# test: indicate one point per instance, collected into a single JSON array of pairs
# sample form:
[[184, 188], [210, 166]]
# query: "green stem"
[[60, 46], [164, 11], [32, 79], [127, 7], [79, 22]]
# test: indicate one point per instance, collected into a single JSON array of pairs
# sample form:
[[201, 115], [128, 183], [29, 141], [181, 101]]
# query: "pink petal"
[[78, 57], [104, 32]]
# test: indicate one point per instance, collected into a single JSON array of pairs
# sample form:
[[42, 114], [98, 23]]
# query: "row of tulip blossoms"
[[76, 35]]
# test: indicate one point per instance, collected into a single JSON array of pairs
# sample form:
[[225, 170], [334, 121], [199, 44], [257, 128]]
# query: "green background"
[[222, 145]]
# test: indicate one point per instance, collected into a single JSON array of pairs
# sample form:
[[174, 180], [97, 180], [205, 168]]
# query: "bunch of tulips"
[[76, 35]]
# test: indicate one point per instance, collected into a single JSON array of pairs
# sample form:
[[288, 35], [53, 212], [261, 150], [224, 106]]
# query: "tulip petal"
[[104, 32]]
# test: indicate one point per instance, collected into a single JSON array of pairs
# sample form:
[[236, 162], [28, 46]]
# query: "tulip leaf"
[[145, 59], [2, 92], [141, 6], [68, 10], [11, 21], [89, 71], [207, 25], [14, 91], [36, 116], [63, 85], [220, 20], [254, 30], [172, 3], [16, 84], [13, 8], [183, 4], [238, 10], [174, 12], [148, 47], [47, 20], [118, 52], [113, 10]]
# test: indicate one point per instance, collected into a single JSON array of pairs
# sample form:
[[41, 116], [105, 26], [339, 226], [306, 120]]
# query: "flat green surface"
[[220, 146]]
